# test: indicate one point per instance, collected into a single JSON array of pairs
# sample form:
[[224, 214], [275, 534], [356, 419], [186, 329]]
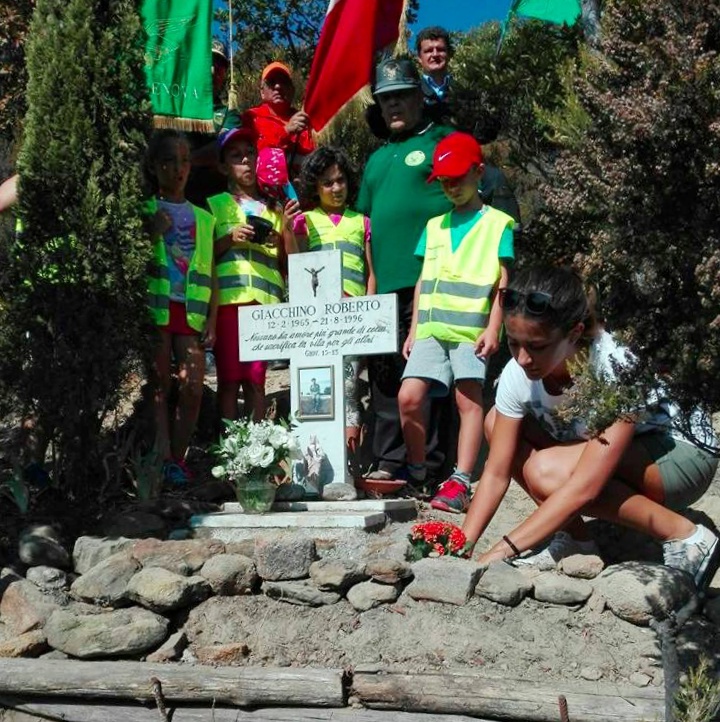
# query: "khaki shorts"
[[685, 469], [442, 363]]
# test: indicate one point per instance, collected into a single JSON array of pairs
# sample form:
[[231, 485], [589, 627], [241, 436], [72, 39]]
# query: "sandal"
[[380, 475]]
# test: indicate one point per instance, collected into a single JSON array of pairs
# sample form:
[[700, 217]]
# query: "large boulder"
[[24, 606], [445, 579], [336, 575], [182, 557], [559, 589], [639, 592], [504, 584], [163, 591], [40, 545], [302, 593], [48, 578], [284, 556], [119, 633], [90, 550], [106, 583], [230, 574], [367, 595], [29, 644]]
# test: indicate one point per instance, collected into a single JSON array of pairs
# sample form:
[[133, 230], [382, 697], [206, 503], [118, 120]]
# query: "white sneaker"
[[698, 555], [561, 545]]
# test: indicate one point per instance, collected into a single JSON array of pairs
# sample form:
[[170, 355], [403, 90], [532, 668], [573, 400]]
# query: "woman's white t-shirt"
[[518, 396]]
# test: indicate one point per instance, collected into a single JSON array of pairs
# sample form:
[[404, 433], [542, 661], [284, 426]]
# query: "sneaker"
[[699, 555], [561, 545], [34, 474], [176, 473], [452, 495]]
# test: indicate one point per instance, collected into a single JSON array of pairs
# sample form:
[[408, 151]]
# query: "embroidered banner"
[[178, 62]]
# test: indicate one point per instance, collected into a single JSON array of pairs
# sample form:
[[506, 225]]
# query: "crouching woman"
[[638, 472]]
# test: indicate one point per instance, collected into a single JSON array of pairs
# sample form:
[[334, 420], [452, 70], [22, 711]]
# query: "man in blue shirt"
[[434, 50]]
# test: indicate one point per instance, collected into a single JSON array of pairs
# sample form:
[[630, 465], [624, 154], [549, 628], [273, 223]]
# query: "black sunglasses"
[[537, 303]]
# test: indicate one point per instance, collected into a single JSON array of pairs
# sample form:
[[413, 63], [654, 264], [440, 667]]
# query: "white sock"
[[695, 537]]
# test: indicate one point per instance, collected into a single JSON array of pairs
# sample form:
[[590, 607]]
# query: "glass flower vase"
[[255, 493]]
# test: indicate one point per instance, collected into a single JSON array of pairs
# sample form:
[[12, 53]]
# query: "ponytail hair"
[[570, 302]]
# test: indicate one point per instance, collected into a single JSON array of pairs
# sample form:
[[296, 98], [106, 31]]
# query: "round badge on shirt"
[[415, 157]]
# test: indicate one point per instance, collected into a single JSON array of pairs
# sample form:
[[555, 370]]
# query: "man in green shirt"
[[395, 194]]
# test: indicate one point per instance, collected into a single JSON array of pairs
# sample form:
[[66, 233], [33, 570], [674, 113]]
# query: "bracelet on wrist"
[[513, 548]]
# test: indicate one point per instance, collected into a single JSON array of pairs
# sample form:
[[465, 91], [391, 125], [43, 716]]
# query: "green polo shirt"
[[395, 194]]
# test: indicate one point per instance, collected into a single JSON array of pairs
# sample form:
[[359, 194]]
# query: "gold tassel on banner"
[[401, 46], [186, 125]]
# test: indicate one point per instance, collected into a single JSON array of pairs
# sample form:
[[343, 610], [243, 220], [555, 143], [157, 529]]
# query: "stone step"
[[396, 509], [290, 520]]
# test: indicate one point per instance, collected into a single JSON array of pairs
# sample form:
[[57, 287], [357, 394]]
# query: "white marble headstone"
[[316, 330]]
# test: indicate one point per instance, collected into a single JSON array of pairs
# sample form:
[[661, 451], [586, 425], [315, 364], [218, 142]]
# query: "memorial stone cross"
[[316, 330]]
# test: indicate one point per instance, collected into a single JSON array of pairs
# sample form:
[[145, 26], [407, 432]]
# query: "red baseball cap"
[[455, 155]]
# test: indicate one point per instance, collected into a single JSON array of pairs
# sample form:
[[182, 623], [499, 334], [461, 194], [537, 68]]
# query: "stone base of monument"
[[319, 519]]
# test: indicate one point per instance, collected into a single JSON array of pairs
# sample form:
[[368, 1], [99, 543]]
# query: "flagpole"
[[232, 93]]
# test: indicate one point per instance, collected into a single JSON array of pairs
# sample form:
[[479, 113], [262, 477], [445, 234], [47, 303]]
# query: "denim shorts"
[[686, 470], [442, 363]]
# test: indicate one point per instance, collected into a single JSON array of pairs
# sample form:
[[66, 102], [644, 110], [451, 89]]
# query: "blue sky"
[[459, 14]]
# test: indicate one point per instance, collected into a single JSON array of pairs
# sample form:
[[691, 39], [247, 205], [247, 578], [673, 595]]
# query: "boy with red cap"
[[456, 315]]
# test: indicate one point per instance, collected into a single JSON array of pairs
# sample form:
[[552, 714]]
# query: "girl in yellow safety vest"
[[253, 238], [327, 181], [179, 296]]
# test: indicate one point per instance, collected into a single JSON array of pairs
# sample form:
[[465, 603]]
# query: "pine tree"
[[72, 325], [636, 196]]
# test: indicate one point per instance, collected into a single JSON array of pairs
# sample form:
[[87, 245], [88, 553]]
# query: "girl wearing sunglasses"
[[638, 472]]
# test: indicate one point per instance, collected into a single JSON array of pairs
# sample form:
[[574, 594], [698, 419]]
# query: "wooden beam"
[[506, 699], [69, 711], [242, 686]]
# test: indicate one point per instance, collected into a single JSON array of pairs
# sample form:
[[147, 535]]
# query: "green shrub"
[[635, 197], [73, 319]]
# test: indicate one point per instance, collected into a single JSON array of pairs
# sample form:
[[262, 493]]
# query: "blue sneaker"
[[176, 473], [34, 475]]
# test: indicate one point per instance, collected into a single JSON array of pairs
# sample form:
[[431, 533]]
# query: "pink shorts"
[[227, 360], [178, 324]]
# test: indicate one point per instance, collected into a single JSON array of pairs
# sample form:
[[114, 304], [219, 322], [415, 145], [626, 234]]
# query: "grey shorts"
[[442, 363], [686, 471]]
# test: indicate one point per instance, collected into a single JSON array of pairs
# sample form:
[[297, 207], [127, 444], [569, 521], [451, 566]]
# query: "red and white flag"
[[353, 31]]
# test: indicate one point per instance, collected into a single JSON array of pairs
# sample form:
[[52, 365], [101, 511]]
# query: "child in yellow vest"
[[327, 180], [253, 238], [179, 295], [456, 314]]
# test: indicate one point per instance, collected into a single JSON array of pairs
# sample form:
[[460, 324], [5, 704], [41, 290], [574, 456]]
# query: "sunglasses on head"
[[537, 303]]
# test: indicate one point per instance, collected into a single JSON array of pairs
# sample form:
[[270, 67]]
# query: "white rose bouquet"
[[252, 450]]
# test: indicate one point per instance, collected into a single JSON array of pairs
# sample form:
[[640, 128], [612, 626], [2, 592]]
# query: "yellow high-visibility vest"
[[349, 237], [198, 284], [247, 272], [456, 288]]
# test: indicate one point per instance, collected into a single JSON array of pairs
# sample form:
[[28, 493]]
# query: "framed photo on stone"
[[316, 393]]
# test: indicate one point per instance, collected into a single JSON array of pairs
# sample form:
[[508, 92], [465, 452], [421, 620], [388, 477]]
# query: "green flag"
[[178, 62], [561, 12]]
